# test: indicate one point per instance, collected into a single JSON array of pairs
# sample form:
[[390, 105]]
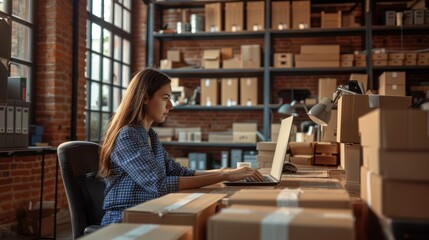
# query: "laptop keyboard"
[[266, 179]]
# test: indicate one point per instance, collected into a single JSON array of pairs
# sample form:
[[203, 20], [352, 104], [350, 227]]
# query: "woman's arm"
[[210, 177]]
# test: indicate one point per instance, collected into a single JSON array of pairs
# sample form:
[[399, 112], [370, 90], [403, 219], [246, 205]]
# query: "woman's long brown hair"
[[130, 112]]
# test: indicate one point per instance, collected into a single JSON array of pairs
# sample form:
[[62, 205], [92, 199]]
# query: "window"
[[108, 61], [19, 13]]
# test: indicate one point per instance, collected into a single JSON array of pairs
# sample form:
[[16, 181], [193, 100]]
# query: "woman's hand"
[[242, 173]]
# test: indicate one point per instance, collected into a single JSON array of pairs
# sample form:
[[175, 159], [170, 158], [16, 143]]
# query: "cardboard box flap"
[[212, 54], [178, 203]]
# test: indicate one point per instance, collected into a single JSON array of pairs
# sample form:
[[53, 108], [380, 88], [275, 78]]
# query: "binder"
[[18, 125], [2, 124], [17, 88], [25, 124], [10, 123], [3, 79]]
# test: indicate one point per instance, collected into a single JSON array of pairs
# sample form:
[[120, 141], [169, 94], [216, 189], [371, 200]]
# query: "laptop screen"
[[281, 147]]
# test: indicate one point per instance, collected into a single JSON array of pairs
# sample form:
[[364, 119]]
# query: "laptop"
[[279, 156]]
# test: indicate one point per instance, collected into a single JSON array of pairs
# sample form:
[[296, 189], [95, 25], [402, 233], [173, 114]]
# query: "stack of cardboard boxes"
[[395, 182], [265, 154]]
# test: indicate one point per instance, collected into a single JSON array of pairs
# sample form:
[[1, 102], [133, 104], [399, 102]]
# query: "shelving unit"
[[366, 32]]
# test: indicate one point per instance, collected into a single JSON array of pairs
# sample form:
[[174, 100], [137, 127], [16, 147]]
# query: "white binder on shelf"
[[2, 124], [10, 122], [18, 125], [25, 124]]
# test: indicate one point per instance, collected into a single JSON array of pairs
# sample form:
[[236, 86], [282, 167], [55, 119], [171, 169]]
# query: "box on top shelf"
[[251, 56], [213, 17], [351, 107], [331, 20], [281, 15], [395, 129], [234, 16], [255, 16], [301, 14], [264, 222], [193, 209]]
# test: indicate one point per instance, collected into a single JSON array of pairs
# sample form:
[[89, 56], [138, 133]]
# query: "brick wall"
[[20, 176]]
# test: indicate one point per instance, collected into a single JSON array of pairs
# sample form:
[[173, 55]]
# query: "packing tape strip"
[[179, 204], [374, 101], [288, 197], [276, 224], [137, 232]]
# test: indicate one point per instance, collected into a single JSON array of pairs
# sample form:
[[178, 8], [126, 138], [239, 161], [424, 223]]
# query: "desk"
[[33, 151]]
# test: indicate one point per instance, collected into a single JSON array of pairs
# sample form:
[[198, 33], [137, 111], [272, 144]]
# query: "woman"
[[133, 162]]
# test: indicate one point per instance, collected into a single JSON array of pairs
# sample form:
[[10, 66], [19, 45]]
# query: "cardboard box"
[[395, 198], [213, 17], [234, 16], [360, 57], [251, 56], [327, 88], [301, 14], [327, 147], [283, 60], [423, 56], [360, 63], [379, 56], [316, 64], [302, 159], [190, 209], [422, 62], [360, 77], [248, 91], [244, 132], [280, 15], [346, 63], [410, 56], [252, 223], [226, 53], [347, 57], [209, 92], [174, 55], [390, 163], [234, 62], [255, 16], [220, 137], [317, 57], [229, 91], [331, 160], [392, 90], [410, 62], [168, 64], [322, 198], [379, 62], [408, 131], [266, 146], [264, 161], [141, 232], [351, 162], [329, 132], [320, 49], [395, 62], [275, 129], [396, 56], [301, 148], [211, 59], [331, 20], [351, 107]]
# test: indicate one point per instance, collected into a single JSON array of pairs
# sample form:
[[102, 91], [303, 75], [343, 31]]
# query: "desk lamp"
[[321, 112], [290, 108]]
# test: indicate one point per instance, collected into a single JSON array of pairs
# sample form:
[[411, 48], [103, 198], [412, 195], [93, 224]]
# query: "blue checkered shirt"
[[139, 172]]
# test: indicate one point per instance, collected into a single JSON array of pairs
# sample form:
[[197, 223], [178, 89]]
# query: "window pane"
[[3, 5], [127, 4], [127, 21], [125, 75], [107, 42], [95, 127], [95, 96], [96, 8], [117, 48], [96, 38], [116, 98], [87, 67], [21, 39], [105, 121], [127, 49], [105, 103], [106, 70], [22, 9], [19, 70], [95, 66], [108, 11], [117, 74], [118, 15], [88, 33]]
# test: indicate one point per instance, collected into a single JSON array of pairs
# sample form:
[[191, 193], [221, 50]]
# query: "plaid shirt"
[[139, 172]]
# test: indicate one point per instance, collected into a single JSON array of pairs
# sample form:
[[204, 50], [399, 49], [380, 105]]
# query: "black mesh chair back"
[[79, 165]]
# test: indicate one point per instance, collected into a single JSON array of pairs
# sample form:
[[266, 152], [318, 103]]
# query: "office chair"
[[84, 191]]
